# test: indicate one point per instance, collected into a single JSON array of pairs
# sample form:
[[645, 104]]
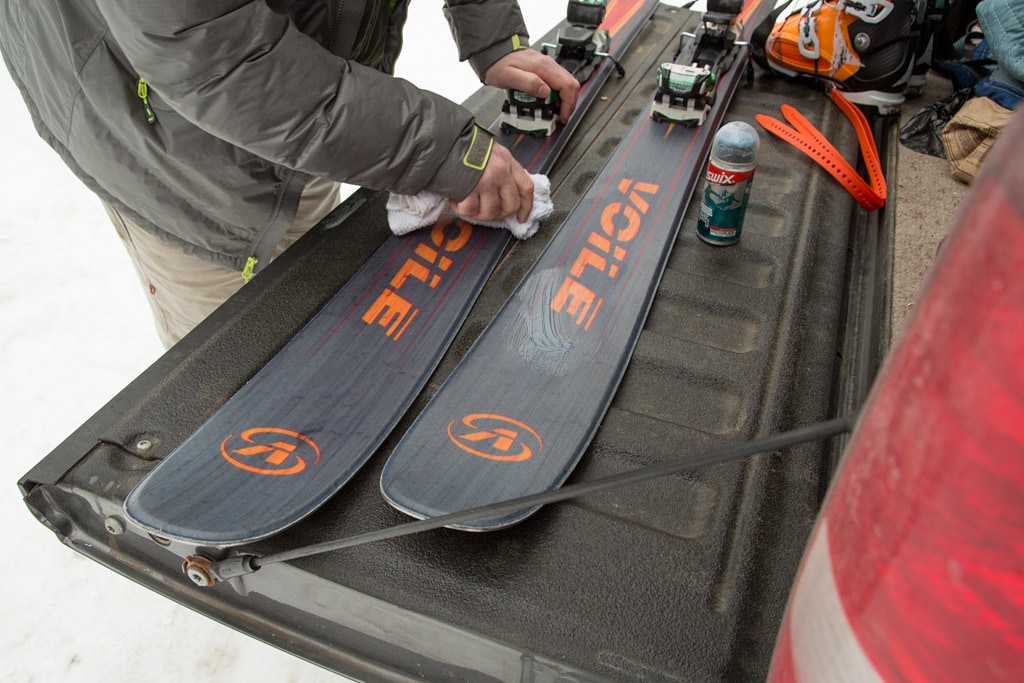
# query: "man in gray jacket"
[[215, 132]]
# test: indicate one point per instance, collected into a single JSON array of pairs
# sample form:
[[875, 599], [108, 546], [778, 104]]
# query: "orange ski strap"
[[809, 140]]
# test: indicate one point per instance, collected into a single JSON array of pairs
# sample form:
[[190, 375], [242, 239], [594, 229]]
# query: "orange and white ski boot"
[[863, 47]]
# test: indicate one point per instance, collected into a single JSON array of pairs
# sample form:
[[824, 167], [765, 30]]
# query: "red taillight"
[[915, 570]]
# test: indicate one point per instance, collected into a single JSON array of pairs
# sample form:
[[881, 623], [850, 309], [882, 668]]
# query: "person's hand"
[[504, 189], [537, 74]]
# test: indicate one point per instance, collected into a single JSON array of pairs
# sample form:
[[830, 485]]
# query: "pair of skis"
[[311, 417], [520, 409]]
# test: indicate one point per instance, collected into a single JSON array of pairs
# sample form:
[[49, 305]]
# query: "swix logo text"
[[428, 265], [270, 450], [605, 251], [721, 177], [718, 176], [495, 437]]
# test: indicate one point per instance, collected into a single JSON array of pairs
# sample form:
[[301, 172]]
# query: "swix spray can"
[[729, 176]]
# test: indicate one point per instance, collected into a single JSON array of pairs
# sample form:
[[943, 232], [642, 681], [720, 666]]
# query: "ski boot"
[[864, 47]]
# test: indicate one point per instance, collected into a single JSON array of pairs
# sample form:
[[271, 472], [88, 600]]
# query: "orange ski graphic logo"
[[270, 451], [495, 437]]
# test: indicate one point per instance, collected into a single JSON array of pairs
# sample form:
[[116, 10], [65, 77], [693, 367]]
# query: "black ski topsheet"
[[522, 406], [309, 419]]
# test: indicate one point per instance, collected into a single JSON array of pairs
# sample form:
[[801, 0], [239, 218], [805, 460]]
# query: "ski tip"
[[197, 530], [165, 534], [419, 511]]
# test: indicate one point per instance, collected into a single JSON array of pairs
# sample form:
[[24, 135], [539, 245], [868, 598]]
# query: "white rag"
[[407, 212]]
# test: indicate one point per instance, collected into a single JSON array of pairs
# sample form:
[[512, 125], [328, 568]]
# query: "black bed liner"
[[679, 579]]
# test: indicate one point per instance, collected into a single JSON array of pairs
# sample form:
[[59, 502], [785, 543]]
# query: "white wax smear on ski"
[[75, 329], [544, 339]]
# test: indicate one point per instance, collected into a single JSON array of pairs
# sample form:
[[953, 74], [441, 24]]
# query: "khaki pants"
[[182, 289]]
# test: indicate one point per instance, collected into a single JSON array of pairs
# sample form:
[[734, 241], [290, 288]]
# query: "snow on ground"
[[75, 329]]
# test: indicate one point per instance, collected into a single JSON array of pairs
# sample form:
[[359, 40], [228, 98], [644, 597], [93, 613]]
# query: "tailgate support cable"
[[206, 572]]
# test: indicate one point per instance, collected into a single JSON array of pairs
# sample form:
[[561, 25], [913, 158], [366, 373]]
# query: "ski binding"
[[580, 47], [686, 86], [529, 114]]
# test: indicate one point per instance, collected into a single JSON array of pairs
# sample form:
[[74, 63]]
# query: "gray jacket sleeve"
[[248, 76], [485, 30]]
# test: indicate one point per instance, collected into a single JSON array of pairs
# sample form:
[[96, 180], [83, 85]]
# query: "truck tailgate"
[[682, 578]]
